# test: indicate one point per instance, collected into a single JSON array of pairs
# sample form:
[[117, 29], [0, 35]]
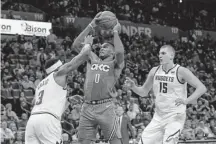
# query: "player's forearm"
[[80, 58], [196, 94], [119, 48], [75, 62], [78, 41], [140, 91]]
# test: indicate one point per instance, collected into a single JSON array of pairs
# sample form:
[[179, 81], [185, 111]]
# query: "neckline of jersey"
[[169, 69]]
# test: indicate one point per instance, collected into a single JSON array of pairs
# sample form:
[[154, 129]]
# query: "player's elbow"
[[202, 88]]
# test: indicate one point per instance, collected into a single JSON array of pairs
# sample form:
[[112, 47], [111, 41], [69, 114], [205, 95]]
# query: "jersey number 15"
[[163, 87]]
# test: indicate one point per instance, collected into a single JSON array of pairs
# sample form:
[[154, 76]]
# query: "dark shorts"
[[102, 115]]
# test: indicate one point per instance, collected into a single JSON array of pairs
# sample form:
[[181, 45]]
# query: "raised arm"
[[77, 60], [147, 86], [77, 44], [119, 48]]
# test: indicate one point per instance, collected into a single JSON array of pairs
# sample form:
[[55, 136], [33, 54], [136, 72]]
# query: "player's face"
[[106, 50], [165, 56]]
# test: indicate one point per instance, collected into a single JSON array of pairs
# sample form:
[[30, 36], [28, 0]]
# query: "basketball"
[[107, 20]]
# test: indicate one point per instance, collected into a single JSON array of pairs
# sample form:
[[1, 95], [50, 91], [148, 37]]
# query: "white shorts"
[[43, 128], [164, 130]]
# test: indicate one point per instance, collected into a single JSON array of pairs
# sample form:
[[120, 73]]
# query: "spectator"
[[38, 80], [19, 138], [28, 46], [51, 39], [203, 129], [7, 135], [22, 123], [65, 138], [26, 83], [131, 113], [138, 122], [13, 128], [41, 57], [11, 115], [33, 62]]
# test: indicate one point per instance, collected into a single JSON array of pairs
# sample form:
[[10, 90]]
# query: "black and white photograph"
[[108, 71]]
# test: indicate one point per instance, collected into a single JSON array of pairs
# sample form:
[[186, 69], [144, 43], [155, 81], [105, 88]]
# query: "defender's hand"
[[129, 83], [88, 40]]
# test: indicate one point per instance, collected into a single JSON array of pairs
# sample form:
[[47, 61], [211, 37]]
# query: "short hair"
[[50, 62], [170, 48]]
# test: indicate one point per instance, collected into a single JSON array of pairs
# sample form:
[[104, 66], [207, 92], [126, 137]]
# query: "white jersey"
[[167, 88], [50, 97]]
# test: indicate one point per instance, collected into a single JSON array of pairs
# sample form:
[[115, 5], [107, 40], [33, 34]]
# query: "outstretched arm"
[[75, 62], [77, 44], [147, 86]]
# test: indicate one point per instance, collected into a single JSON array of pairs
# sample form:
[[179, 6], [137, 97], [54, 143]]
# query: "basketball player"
[[101, 76], [44, 125], [169, 83]]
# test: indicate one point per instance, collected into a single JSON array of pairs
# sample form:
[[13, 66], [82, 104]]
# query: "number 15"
[[163, 87]]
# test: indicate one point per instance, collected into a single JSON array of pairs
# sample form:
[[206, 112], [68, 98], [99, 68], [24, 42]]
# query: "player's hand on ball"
[[88, 40], [96, 18], [180, 101], [129, 83], [117, 27]]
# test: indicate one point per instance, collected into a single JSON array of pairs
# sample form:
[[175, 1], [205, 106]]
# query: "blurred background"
[[188, 25]]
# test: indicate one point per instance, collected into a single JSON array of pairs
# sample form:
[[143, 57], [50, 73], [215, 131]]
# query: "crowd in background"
[[22, 67], [197, 15], [23, 59]]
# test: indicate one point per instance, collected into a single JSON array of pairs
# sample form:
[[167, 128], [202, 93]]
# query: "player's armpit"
[[191, 79], [75, 62]]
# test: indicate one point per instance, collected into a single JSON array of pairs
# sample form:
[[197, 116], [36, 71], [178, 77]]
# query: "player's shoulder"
[[154, 70], [183, 70]]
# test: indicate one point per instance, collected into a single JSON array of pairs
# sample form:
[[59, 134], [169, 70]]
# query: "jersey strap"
[[36, 113]]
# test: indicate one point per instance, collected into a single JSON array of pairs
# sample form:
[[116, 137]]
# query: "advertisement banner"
[[25, 27], [24, 15], [130, 28]]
